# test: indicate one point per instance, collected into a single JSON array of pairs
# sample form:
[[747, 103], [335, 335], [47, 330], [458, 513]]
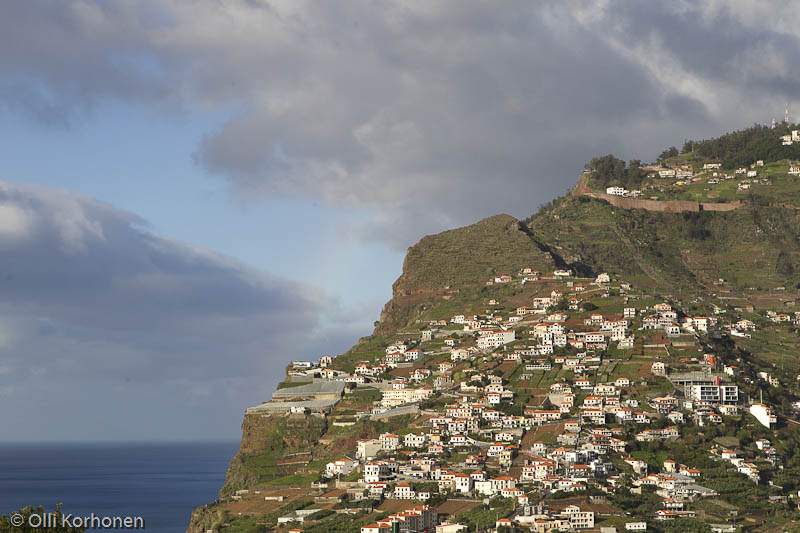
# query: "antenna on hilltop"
[[786, 116], [773, 124]]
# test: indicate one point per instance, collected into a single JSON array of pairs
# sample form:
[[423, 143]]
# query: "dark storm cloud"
[[430, 114], [92, 306]]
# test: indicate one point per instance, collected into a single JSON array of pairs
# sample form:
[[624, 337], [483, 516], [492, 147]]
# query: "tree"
[[561, 305], [608, 170], [666, 154], [743, 147], [635, 175]]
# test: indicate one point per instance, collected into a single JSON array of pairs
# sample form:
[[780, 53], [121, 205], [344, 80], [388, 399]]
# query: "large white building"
[[616, 191], [579, 519], [368, 449], [764, 415], [394, 397], [495, 338], [377, 471], [713, 393]]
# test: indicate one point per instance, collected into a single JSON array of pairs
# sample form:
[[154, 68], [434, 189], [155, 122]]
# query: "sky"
[[195, 192]]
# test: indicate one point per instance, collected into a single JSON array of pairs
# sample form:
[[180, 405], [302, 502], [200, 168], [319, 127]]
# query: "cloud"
[[427, 114], [101, 319], [15, 222]]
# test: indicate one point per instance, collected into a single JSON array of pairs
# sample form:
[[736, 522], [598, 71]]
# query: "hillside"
[[470, 255], [678, 251], [502, 334], [757, 165], [460, 260]]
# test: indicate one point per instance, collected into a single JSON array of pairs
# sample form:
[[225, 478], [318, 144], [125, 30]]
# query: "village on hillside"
[[704, 182], [559, 401], [768, 176]]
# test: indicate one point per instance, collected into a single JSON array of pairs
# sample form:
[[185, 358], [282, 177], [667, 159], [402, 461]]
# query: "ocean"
[[161, 482]]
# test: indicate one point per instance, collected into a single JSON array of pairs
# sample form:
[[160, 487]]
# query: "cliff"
[[458, 259], [688, 252], [670, 247]]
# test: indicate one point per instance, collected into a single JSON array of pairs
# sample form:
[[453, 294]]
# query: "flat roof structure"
[[285, 407], [320, 390]]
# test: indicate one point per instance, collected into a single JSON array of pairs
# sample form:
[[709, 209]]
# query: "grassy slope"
[[462, 259], [469, 255], [675, 250]]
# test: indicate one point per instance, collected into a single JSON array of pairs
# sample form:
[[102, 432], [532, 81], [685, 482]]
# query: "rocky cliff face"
[[471, 254], [266, 441], [453, 260]]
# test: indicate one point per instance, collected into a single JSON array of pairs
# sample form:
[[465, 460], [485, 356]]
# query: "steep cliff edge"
[[455, 260], [469, 255], [265, 441], [273, 447]]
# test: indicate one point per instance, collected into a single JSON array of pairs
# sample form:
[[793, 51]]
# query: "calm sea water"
[[160, 482]]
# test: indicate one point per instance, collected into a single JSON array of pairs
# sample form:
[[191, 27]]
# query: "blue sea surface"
[[160, 482]]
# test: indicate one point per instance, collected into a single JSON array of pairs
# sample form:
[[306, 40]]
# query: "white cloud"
[[429, 114], [15, 222], [93, 305]]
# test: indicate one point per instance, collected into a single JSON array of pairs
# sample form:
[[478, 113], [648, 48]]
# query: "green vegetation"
[[290, 384], [473, 254], [668, 153], [224, 522], [743, 147], [608, 170], [683, 252], [338, 524], [484, 517]]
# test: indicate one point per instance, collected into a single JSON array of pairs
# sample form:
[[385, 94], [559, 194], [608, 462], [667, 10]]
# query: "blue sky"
[[194, 193], [144, 163]]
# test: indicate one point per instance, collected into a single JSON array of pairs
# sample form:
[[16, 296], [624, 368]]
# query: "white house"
[[412, 440], [603, 278], [341, 467], [404, 491], [368, 449], [462, 483], [389, 441]]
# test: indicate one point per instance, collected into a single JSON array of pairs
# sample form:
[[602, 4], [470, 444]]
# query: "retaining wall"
[[664, 206]]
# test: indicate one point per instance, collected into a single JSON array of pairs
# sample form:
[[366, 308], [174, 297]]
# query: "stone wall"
[[664, 206]]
